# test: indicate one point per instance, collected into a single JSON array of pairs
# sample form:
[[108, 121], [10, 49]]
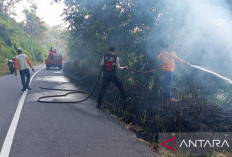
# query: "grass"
[[34, 63], [4, 69]]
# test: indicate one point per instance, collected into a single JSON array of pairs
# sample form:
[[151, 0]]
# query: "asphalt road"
[[62, 130]]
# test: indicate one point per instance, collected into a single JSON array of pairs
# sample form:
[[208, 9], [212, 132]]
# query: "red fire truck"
[[54, 61]]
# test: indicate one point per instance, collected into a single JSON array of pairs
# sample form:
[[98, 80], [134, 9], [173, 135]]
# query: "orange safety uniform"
[[168, 59], [51, 52]]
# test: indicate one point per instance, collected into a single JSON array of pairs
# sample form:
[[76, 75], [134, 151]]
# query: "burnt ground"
[[147, 115]]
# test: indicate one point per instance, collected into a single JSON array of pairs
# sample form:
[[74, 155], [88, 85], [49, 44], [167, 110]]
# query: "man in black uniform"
[[110, 63]]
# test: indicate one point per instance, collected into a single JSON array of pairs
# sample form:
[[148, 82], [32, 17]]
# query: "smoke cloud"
[[200, 29]]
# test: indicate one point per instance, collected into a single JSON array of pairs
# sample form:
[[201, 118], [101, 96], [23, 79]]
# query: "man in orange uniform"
[[51, 53], [22, 63], [168, 57]]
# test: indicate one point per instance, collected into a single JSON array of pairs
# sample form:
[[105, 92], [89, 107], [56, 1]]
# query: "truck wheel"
[[47, 67], [60, 67]]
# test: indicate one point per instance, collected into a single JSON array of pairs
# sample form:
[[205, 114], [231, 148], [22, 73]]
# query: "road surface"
[[60, 130]]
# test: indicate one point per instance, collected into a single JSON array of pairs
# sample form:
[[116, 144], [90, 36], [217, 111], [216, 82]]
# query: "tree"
[[140, 29], [34, 25], [56, 38], [6, 5]]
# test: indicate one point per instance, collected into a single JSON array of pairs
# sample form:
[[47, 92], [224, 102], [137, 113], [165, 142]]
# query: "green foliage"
[[7, 5], [34, 25], [122, 24], [12, 37], [137, 29], [57, 38]]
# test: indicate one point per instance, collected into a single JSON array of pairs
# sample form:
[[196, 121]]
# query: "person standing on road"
[[110, 63], [168, 57], [22, 63]]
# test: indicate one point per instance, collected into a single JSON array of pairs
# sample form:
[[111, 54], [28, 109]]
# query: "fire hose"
[[41, 99]]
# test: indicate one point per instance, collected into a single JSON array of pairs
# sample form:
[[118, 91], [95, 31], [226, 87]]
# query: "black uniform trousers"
[[107, 78], [25, 74]]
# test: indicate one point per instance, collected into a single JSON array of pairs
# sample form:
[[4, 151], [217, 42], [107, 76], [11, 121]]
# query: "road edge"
[[6, 147]]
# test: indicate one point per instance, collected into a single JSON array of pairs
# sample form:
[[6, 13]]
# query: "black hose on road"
[[41, 99]]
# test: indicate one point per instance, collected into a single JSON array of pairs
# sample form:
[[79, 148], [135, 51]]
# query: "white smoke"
[[203, 28]]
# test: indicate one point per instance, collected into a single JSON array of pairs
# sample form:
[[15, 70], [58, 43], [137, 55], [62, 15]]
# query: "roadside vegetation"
[[13, 36], [139, 32], [33, 35]]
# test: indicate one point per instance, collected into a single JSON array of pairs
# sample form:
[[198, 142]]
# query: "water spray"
[[212, 72]]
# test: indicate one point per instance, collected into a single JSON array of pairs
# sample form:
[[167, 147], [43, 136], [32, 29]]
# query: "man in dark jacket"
[[110, 63]]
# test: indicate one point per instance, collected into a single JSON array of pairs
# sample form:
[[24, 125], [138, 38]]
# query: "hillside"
[[12, 37]]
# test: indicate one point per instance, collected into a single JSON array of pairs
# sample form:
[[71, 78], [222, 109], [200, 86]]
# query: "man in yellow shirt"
[[169, 57], [22, 63]]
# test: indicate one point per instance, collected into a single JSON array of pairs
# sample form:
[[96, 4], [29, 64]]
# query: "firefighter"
[[169, 57], [110, 63], [51, 53], [22, 63]]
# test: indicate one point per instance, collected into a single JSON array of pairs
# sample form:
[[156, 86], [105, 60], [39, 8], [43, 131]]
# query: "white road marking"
[[11, 132]]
